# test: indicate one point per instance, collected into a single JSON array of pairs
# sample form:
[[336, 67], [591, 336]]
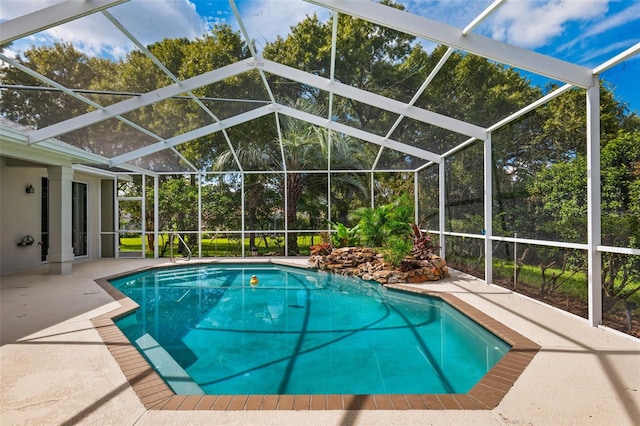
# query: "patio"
[[57, 370]]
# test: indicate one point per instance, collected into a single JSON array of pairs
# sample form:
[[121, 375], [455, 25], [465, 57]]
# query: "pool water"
[[207, 330]]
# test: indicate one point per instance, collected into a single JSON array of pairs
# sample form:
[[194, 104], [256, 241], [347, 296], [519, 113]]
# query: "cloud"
[[152, 20], [613, 22], [267, 19], [148, 20], [533, 24], [607, 50]]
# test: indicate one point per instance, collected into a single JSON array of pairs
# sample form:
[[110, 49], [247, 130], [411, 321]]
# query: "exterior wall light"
[[30, 189]]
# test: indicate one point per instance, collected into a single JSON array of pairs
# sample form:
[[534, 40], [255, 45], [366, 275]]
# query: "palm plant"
[[378, 224]]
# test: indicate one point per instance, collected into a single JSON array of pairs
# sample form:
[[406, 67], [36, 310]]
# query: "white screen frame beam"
[[452, 37]]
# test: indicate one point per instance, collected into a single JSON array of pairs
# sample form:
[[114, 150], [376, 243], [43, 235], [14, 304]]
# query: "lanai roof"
[[134, 25]]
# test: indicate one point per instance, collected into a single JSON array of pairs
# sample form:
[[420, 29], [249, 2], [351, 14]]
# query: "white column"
[[143, 216], [242, 205], [60, 254], [329, 201], [373, 194], [593, 204], [442, 194], [488, 212], [416, 199], [286, 215], [199, 235], [156, 217]]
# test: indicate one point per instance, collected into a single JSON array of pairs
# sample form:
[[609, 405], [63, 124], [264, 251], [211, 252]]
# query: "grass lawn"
[[212, 247], [531, 275]]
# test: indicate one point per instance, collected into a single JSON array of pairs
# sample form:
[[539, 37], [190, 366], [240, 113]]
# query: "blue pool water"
[[207, 330]]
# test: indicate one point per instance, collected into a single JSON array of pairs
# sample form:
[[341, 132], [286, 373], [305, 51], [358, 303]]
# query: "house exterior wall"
[[20, 214]]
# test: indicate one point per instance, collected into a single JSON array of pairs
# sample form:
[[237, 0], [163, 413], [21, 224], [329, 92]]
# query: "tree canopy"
[[538, 162]]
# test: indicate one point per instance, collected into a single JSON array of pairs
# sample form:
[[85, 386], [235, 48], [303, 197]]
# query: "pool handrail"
[[175, 234]]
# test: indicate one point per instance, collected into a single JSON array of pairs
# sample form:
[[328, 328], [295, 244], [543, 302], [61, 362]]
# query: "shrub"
[[397, 249], [378, 225]]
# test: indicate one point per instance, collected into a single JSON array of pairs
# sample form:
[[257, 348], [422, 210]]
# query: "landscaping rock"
[[369, 265]]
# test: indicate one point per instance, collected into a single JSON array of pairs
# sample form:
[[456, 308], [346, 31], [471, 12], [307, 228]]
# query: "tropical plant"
[[422, 246], [397, 249], [344, 236], [377, 224]]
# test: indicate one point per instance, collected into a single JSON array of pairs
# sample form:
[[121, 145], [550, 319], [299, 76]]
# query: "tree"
[[369, 56], [305, 149], [61, 63], [560, 194]]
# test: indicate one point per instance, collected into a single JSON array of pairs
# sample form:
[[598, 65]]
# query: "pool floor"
[[155, 394]]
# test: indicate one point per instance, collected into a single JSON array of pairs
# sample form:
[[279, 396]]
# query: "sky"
[[585, 32]]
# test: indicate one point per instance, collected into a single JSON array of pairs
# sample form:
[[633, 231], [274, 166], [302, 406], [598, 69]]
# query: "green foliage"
[[396, 250], [560, 192], [37, 108], [560, 196], [343, 236], [306, 147], [377, 224], [538, 162]]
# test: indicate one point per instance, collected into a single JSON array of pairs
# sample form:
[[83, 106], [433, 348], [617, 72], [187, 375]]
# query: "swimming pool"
[[206, 329]]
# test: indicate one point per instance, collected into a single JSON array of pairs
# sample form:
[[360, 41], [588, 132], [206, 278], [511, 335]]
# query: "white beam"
[[357, 133], [51, 16], [193, 134], [594, 235], [484, 15], [632, 51], [453, 37], [488, 211], [442, 206], [372, 99], [140, 101]]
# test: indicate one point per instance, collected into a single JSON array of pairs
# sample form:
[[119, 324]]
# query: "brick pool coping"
[[155, 394]]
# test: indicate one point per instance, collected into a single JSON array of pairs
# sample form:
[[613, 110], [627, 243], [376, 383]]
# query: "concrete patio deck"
[[55, 368]]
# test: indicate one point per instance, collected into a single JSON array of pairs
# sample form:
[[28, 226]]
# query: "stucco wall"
[[20, 215]]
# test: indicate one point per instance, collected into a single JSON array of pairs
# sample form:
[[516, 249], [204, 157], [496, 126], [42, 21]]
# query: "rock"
[[417, 279], [369, 265], [381, 274], [395, 280], [438, 262]]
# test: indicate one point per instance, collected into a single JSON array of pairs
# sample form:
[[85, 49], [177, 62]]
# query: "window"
[[79, 218], [44, 219]]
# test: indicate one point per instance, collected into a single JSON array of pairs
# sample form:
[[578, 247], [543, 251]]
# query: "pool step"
[[169, 369], [186, 276]]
